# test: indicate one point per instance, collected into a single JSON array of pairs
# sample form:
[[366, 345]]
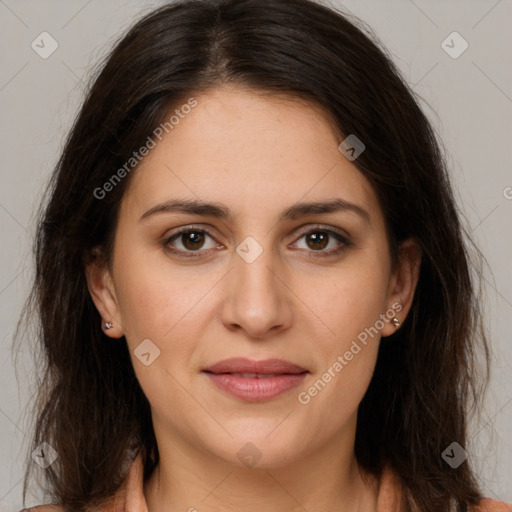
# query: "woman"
[[253, 286]]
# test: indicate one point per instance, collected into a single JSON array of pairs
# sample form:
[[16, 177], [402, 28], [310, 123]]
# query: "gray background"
[[469, 100]]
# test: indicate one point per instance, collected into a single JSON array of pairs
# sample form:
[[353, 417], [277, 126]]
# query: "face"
[[260, 275]]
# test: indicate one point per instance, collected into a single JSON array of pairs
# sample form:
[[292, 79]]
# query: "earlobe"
[[403, 284], [101, 289]]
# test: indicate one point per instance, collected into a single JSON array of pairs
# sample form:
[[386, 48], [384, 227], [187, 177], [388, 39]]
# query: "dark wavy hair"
[[90, 406]]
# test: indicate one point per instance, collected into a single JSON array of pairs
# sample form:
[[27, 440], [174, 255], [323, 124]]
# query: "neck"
[[189, 479]]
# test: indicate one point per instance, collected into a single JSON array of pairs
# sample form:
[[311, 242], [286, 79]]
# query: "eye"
[[318, 239], [189, 240]]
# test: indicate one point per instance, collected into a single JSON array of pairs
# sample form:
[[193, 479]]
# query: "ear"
[[403, 284], [101, 288]]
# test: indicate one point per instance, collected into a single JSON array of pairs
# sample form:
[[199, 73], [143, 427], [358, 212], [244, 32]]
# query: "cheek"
[[349, 306], [345, 360], [168, 306], [152, 294], [168, 312], [145, 305], [349, 298]]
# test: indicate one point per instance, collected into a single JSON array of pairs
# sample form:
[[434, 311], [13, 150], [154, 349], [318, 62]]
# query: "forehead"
[[252, 151]]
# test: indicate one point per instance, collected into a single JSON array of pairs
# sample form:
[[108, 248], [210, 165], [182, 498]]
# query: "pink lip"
[[255, 389], [244, 365]]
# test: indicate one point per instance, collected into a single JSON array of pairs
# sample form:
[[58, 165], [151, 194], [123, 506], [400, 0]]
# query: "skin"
[[257, 155]]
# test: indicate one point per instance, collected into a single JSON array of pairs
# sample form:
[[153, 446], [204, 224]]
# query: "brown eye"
[[317, 240], [322, 242], [192, 240]]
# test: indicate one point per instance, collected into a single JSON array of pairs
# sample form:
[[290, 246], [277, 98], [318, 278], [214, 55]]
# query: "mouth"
[[255, 381], [253, 375]]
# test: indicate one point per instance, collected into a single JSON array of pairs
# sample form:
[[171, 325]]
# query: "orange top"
[[130, 498]]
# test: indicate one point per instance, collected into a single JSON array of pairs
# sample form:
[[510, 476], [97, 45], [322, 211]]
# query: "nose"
[[258, 301]]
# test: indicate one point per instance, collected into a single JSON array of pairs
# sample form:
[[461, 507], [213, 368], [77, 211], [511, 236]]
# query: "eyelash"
[[197, 254]]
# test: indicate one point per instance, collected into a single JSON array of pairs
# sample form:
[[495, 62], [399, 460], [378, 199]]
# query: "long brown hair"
[[90, 407]]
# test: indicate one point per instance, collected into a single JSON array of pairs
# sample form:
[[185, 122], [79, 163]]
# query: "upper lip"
[[244, 365]]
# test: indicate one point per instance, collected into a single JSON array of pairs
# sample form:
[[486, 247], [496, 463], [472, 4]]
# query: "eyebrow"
[[219, 211]]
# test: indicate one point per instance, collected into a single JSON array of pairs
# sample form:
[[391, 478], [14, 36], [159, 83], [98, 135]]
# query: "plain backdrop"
[[468, 99]]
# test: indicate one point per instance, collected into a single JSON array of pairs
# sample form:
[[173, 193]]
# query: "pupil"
[[319, 237], [193, 240]]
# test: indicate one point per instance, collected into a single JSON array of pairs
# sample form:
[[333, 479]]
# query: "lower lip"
[[254, 389]]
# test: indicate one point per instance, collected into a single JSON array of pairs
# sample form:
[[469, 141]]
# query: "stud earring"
[[396, 322], [108, 325]]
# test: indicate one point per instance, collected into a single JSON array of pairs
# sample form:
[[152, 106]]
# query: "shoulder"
[[487, 505], [391, 495], [128, 497], [44, 508]]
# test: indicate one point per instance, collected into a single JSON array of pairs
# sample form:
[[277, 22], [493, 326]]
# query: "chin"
[[257, 451]]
